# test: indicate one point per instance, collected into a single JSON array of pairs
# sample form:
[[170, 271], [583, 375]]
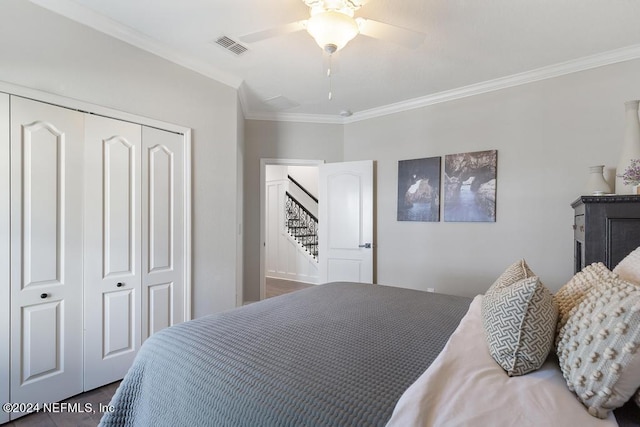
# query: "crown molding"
[[293, 117], [581, 64], [99, 22]]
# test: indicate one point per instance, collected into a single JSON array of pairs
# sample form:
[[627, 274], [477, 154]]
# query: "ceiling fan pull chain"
[[329, 75]]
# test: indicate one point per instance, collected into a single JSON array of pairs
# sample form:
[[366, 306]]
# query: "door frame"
[[263, 215], [74, 104]]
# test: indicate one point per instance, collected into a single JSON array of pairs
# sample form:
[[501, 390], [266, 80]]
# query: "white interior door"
[[345, 222], [5, 194], [46, 251], [163, 285], [112, 248]]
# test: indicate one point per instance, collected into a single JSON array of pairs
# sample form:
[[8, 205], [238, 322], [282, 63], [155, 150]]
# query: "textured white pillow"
[[519, 321], [599, 347], [574, 291], [629, 268]]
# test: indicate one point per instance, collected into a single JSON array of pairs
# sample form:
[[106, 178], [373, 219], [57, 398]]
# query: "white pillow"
[[629, 268], [599, 347]]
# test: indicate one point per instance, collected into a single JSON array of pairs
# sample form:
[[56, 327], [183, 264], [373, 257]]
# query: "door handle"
[[366, 246], [120, 284]]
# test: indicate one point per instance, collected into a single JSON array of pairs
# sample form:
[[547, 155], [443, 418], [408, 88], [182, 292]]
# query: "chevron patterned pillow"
[[515, 272], [519, 322], [599, 348], [574, 291]]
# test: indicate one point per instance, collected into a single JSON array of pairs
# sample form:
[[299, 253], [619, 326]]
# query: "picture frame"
[[419, 189], [470, 181]]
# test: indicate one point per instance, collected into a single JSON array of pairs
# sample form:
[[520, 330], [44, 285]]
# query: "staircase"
[[302, 225]]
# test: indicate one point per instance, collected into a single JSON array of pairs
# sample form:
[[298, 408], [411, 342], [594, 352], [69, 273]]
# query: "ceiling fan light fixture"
[[332, 30], [345, 6]]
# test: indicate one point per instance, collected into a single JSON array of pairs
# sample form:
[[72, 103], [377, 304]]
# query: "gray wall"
[[277, 140], [42, 50], [547, 134]]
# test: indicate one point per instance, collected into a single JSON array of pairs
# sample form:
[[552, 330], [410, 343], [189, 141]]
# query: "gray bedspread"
[[339, 354]]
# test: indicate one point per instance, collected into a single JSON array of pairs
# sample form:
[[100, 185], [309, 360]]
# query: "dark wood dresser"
[[606, 229]]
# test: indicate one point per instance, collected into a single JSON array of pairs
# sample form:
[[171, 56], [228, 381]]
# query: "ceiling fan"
[[332, 24]]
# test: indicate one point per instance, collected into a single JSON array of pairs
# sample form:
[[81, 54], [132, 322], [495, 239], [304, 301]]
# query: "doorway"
[[265, 164]]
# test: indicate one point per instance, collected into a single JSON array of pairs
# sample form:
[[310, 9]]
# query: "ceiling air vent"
[[231, 45]]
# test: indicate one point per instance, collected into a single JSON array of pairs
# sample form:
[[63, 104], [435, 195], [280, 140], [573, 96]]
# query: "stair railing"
[[301, 224]]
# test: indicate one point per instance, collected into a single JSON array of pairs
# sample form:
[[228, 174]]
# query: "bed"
[[340, 354]]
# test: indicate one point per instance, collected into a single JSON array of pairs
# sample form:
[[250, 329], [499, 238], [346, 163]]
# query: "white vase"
[[596, 184], [630, 146]]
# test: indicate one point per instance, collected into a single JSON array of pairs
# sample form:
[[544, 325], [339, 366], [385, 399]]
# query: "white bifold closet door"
[[112, 252], [163, 286], [46, 251], [134, 238]]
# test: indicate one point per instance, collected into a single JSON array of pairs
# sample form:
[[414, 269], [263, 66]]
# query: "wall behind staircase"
[[285, 258]]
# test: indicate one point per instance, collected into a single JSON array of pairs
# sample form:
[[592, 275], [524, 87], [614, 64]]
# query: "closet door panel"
[[46, 251], [42, 206], [41, 324], [161, 175], [120, 189], [4, 252], [112, 248], [160, 301], [119, 317], [163, 235]]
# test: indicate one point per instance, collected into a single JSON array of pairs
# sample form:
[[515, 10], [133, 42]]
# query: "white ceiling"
[[471, 46]]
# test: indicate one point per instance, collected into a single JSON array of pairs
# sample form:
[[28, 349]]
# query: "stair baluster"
[[302, 225]]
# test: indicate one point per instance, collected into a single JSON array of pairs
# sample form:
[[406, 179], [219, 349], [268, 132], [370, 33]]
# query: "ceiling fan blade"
[[273, 32], [392, 33]]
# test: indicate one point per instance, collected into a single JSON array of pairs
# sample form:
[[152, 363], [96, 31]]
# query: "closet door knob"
[[120, 284], [43, 296]]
